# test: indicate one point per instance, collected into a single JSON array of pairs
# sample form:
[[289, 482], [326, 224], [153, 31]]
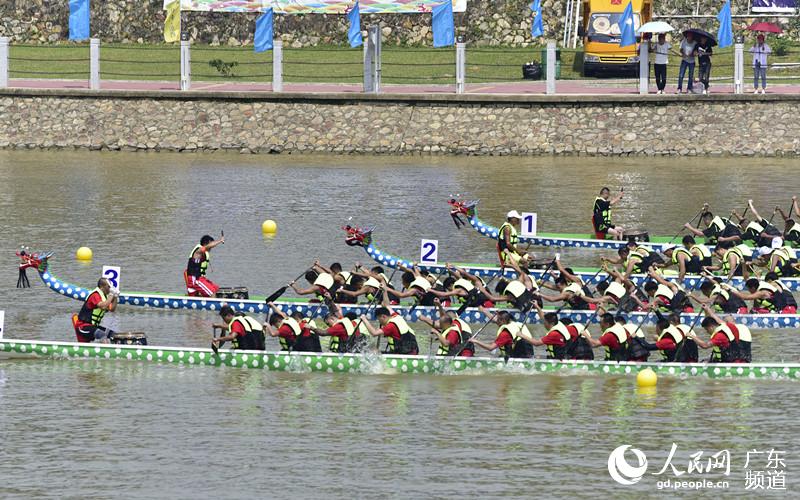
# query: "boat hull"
[[311, 309], [376, 363]]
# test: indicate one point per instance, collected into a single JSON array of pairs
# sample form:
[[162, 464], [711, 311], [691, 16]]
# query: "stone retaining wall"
[[486, 22], [401, 124]]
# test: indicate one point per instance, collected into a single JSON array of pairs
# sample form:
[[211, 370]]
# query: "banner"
[[774, 6], [319, 6]]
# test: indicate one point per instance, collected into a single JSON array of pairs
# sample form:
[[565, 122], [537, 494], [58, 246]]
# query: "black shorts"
[[91, 332]]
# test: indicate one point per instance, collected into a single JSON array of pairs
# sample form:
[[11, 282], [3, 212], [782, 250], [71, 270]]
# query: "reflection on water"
[[99, 429]]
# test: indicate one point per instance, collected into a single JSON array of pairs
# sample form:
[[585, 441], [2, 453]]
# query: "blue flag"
[[627, 32], [78, 19], [354, 33], [264, 32], [444, 31], [725, 33], [536, 27]]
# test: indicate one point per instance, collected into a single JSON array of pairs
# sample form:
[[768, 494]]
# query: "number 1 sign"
[[528, 224]]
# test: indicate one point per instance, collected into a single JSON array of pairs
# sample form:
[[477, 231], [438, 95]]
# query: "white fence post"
[[551, 67], [368, 64], [644, 67], [376, 77], [461, 66], [738, 68], [277, 65], [186, 66], [3, 61], [94, 64]]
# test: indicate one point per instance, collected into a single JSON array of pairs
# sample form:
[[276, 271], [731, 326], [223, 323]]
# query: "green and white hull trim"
[[380, 364]]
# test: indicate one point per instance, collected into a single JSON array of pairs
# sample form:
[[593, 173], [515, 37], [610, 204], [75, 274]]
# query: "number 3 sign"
[[112, 274], [429, 252]]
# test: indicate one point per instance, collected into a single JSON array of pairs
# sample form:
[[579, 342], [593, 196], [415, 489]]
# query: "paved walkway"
[[572, 87]]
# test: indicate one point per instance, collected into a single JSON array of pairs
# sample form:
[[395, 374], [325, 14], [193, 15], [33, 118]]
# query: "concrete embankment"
[[735, 125]]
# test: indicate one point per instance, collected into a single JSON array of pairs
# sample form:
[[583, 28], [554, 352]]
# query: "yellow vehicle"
[[601, 36]]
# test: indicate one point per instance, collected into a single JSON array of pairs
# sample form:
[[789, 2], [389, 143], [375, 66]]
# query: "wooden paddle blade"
[[214, 348], [275, 296]]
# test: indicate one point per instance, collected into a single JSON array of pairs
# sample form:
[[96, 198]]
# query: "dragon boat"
[[373, 363], [256, 305], [469, 209], [364, 238]]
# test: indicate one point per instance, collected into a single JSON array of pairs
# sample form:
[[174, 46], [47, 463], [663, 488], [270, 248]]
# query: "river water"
[[99, 429]]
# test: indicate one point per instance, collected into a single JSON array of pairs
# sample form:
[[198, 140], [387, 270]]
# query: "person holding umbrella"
[[704, 60], [661, 49], [688, 50], [760, 52]]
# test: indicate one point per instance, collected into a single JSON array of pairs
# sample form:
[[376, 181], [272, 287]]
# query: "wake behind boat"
[[381, 364]]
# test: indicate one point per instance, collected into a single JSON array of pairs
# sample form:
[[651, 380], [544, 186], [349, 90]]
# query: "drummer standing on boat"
[[87, 321], [601, 215], [197, 285]]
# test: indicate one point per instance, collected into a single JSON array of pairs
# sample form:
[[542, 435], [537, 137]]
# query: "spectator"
[[760, 52], [661, 50], [704, 59], [688, 51]]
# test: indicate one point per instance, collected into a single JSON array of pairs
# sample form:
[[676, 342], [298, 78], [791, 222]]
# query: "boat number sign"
[[429, 252], [112, 274], [528, 225]]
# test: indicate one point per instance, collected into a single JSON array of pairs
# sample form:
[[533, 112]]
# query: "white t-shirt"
[[687, 50], [662, 51]]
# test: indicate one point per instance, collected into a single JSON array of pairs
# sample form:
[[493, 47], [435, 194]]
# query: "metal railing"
[[374, 66]]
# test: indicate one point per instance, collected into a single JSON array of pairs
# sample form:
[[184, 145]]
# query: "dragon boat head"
[[357, 236], [461, 207], [28, 259]]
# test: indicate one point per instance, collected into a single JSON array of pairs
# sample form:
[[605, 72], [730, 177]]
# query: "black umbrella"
[[697, 32]]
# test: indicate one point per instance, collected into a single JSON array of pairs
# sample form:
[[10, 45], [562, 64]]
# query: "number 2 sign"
[[528, 224], [429, 252], [112, 274]]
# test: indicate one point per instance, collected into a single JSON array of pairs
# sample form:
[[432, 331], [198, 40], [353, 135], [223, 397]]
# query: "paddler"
[[614, 339], [616, 291], [293, 331], [766, 297], [453, 335], [87, 322], [701, 255], [665, 295], [197, 284], [718, 229], [638, 346], [520, 292], [601, 215], [244, 332], [732, 261], [463, 289], [572, 291], [323, 284], [779, 259], [508, 239], [791, 230], [417, 286], [788, 298], [687, 348], [721, 299], [760, 231], [342, 331], [731, 342], [559, 338], [513, 338], [400, 338]]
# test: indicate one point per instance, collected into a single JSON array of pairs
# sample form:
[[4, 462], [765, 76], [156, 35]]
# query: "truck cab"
[[601, 34]]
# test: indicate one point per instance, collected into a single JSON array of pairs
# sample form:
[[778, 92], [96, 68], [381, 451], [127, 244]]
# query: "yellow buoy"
[[646, 378], [84, 253], [269, 226]]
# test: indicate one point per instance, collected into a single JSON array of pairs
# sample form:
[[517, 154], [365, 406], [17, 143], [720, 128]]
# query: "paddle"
[[222, 235], [311, 316], [769, 223], [213, 344], [691, 222], [587, 283], [280, 291], [700, 315]]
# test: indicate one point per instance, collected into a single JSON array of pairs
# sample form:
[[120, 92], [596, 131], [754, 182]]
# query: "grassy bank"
[[321, 64]]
